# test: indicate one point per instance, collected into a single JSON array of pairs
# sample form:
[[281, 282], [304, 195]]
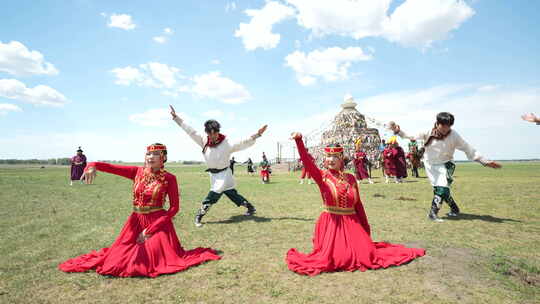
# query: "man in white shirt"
[[217, 150], [439, 147]]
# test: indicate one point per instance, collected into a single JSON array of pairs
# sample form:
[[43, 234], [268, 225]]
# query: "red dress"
[[162, 252], [401, 163], [360, 164], [390, 159], [265, 174], [305, 173], [341, 240]]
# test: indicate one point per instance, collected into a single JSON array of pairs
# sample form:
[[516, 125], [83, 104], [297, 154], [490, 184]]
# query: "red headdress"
[[333, 151], [156, 147], [162, 151]]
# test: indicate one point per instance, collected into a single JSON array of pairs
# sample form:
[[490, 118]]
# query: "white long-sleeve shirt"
[[216, 157], [442, 151]]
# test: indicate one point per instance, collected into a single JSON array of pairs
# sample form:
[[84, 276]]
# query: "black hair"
[[445, 118], [211, 125], [79, 150], [164, 151]]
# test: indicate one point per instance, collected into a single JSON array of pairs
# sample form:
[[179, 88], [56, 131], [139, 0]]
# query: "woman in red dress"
[[147, 245], [341, 239], [361, 163]]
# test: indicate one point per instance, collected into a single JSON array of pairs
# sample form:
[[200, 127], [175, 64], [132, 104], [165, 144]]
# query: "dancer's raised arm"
[[307, 159], [124, 171], [197, 138], [397, 130], [246, 143]]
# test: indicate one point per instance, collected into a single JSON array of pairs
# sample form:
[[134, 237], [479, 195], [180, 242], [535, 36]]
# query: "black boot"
[[250, 208], [200, 213], [435, 206], [454, 209]]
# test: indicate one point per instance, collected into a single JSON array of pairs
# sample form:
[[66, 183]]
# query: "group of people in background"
[[149, 246]]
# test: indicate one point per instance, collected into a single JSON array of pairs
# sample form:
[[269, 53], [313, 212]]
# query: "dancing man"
[[217, 150], [440, 145]]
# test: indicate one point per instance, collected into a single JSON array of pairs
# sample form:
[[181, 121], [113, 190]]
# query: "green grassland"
[[490, 254]]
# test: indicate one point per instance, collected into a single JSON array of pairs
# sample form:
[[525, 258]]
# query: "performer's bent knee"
[[211, 198]]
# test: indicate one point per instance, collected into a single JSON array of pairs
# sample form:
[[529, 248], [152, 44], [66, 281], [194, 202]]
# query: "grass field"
[[490, 254]]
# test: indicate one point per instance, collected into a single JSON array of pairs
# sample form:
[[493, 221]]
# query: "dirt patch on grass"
[[516, 270], [379, 195], [447, 270], [403, 198]]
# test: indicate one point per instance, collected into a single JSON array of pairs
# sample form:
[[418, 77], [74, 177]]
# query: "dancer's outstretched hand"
[[89, 175], [530, 117], [262, 129], [493, 165], [394, 127], [296, 135], [173, 113]]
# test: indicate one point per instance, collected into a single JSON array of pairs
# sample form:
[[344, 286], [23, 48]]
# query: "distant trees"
[[50, 161]]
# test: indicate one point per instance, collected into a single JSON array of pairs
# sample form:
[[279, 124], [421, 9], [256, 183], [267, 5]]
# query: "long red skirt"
[[160, 254], [361, 171], [341, 244]]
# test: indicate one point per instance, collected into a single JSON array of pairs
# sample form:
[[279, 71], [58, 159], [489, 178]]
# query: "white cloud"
[[111, 145], [121, 21], [158, 75], [357, 19], [160, 39], [152, 118], [152, 74], [488, 88], [230, 6], [489, 121], [413, 23], [483, 118], [258, 32], [213, 85], [421, 22], [103, 14], [6, 107], [213, 114], [330, 64], [216, 61], [39, 95], [16, 59], [127, 75]]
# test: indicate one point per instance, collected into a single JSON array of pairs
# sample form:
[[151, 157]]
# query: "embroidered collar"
[[209, 143]]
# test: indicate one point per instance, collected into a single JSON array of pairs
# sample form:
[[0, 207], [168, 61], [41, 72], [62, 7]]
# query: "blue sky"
[[100, 74]]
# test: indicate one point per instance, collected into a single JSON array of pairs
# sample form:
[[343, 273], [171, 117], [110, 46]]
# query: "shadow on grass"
[[487, 218], [257, 219]]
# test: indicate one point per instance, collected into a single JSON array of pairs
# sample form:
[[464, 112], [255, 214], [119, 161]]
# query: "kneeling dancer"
[[147, 245], [341, 239]]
